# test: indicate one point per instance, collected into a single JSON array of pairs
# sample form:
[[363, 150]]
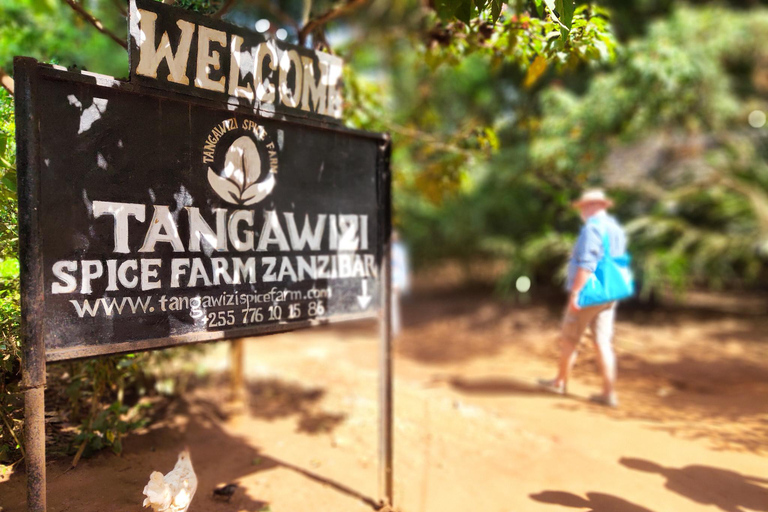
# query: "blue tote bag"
[[612, 279]]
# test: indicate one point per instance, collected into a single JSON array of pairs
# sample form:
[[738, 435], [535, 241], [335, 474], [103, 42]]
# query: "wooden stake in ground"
[[237, 373]]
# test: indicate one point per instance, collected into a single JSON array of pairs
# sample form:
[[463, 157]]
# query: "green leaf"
[[539, 8], [3, 144], [496, 6], [9, 268], [445, 8], [100, 423], [565, 8], [9, 180], [464, 11], [43, 6], [552, 13]]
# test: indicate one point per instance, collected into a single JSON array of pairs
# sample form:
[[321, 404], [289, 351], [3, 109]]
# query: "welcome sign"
[[213, 196], [162, 220], [191, 54]]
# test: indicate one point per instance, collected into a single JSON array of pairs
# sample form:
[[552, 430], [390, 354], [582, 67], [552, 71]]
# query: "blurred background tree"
[[500, 114], [668, 129]]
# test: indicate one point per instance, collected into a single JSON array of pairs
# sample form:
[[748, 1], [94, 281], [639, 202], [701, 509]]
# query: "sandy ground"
[[472, 432]]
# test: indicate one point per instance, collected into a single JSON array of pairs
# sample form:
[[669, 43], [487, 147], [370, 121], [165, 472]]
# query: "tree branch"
[[6, 81], [9, 426], [224, 8], [430, 139], [95, 22], [321, 43], [331, 14], [426, 138], [120, 8], [281, 15]]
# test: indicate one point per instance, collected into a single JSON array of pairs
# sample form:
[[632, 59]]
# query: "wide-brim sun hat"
[[594, 195]]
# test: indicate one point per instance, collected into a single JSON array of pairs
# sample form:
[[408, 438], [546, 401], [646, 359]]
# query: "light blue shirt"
[[588, 250]]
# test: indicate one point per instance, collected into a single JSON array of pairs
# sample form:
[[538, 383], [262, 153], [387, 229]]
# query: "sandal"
[[607, 400], [551, 386]]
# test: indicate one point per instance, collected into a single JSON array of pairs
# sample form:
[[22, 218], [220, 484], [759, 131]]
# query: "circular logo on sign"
[[242, 161]]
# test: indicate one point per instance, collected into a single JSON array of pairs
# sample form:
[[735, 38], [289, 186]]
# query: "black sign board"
[[164, 220], [184, 52], [214, 196]]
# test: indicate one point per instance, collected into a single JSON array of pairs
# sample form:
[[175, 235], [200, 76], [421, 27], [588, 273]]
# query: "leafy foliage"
[[532, 41], [10, 350], [201, 6], [673, 114], [664, 128], [105, 419], [50, 31]]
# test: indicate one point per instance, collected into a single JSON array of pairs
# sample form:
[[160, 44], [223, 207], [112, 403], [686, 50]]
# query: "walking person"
[[401, 279], [600, 230]]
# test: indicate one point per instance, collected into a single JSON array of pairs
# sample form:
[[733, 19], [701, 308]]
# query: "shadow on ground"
[[273, 398], [725, 489], [122, 479], [498, 386], [678, 367], [594, 502], [722, 400], [456, 328], [107, 482]]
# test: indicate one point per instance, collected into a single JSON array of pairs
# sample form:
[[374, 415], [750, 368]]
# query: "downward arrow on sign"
[[364, 299]]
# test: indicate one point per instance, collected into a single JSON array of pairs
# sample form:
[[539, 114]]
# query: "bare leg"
[[602, 328], [396, 318], [574, 324], [573, 327], [568, 353]]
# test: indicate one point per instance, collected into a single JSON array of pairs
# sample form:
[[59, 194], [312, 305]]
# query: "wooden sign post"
[[215, 196]]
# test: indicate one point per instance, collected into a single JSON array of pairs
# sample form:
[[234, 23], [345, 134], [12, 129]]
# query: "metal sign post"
[[386, 406], [31, 268]]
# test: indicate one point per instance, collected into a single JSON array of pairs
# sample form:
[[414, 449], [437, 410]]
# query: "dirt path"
[[472, 432]]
